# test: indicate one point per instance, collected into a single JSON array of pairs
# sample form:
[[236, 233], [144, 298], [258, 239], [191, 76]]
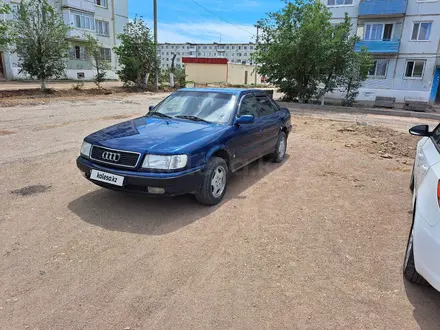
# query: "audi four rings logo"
[[111, 156]]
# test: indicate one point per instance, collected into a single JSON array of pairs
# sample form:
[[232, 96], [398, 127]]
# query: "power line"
[[221, 18]]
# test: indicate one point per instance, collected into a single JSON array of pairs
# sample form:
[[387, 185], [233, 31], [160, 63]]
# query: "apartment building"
[[103, 19], [403, 36], [235, 53]]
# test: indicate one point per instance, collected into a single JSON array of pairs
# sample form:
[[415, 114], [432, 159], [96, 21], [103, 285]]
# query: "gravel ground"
[[316, 242]]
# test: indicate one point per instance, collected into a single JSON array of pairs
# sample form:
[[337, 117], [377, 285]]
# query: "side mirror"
[[151, 107], [420, 130], [245, 119]]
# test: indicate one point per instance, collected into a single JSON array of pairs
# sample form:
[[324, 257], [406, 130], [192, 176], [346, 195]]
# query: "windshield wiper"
[[193, 118], [159, 114]]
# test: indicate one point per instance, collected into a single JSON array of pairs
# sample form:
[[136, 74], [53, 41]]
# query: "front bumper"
[[179, 183]]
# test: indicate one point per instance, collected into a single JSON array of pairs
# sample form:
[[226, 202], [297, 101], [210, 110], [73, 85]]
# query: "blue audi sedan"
[[188, 143]]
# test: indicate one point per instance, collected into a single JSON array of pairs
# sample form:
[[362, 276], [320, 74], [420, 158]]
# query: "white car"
[[422, 258]]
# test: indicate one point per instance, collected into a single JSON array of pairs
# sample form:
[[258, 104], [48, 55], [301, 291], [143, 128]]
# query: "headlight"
[[85, 149], [165, 162]]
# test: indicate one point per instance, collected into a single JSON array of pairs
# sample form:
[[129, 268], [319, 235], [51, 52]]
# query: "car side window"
[[248, 106], [436, 136], [265, 106]]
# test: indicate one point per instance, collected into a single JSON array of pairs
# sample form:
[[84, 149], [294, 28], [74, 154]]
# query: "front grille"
[[125, 159]]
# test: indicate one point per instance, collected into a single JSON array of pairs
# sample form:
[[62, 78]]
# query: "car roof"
[[234, 91]]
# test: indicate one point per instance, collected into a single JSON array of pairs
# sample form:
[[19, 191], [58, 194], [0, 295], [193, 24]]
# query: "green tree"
[[354, 74], [39, 38], [95, 51], [295, 46], [136, 53], [4, 9], [306, 56]]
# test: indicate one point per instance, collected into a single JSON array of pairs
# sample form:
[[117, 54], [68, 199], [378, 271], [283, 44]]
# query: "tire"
[[214, 183], [409, 267], [279, 154]]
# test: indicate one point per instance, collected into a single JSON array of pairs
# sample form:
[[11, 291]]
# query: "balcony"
[[84, 5], [79, 34], [379, 46], [385, 8]]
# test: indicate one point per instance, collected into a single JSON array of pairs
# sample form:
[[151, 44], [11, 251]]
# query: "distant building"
[[235, 53], [103, 19], [403, 36]]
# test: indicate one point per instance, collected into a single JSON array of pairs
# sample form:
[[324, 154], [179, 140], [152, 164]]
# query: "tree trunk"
[[172, 63], [43, 85]]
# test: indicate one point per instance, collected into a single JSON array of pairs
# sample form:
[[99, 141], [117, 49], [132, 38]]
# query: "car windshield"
[[198, 106]]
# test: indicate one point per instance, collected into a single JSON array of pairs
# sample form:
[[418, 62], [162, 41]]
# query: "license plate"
[[116, 180]]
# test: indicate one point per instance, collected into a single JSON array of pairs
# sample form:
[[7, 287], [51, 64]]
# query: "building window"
[[204, 47], [106, 54], [199, 54], [421, 31], [210, 47], [83, 21], [379, 69], [77, 53], [168, 53], [378, 32], [339, 2], [239, 47], [415, 68], [251, 47], [232, 47], [102, 28], [245, 47], [245, 54], [227, 47], [102, 3]]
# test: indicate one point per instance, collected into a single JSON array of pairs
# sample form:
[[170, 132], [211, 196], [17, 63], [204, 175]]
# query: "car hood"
[[156, 135]]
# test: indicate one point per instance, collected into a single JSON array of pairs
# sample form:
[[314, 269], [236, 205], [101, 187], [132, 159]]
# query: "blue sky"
[[186, 21]]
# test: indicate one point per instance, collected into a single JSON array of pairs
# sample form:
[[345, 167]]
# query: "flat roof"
[[205, 60]]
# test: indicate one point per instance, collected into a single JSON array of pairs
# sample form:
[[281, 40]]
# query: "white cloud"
[[205, 32]]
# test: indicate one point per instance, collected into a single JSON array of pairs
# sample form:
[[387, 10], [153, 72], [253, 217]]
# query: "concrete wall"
[[408, 46], [237, 72], [206, 73]]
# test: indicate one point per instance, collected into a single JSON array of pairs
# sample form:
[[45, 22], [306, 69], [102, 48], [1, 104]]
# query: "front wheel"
[[214, 182]]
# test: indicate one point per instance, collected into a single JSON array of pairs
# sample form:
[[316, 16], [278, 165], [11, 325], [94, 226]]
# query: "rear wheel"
[[214, 182], [280, 151], [409, 267]]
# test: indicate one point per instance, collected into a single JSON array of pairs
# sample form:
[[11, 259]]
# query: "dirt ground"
[[316, 242]]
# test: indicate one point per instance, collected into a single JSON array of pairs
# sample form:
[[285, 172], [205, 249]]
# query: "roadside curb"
[[301, 108]]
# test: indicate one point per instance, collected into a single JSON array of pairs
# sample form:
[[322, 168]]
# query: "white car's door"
[[427, 156]]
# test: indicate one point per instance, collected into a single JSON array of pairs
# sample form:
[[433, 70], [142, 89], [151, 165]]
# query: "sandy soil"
[[316, 242]]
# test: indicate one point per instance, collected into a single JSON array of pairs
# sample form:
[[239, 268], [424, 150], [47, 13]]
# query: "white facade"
[[103, 19], [235, 53], [413, 70]]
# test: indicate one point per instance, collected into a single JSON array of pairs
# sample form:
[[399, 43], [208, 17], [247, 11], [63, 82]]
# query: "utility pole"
[[156, 73], [255, 70]]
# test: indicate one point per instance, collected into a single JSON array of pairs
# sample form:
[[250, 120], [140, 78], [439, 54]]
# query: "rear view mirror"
[[420, 130], [245, 119]]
